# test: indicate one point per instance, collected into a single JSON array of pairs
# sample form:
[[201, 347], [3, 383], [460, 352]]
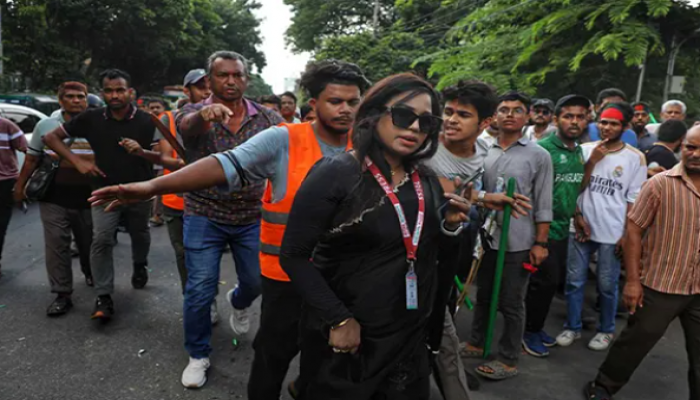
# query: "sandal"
[[499, 371], [466, 352], [594, 392], [59, 306]]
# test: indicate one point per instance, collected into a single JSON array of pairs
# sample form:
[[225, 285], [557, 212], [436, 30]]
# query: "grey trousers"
[[511, 303], [453, 379], [104, 227], [58, 224]]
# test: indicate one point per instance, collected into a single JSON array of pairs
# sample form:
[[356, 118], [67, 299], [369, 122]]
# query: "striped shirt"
[[668, 207], [11, 139]]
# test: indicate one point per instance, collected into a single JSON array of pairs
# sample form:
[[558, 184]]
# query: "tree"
[[157, 42]]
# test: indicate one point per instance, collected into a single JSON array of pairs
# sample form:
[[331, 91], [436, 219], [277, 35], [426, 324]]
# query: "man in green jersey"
[[567, 159]]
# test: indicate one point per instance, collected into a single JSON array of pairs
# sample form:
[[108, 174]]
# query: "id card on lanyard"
[[410, 241]]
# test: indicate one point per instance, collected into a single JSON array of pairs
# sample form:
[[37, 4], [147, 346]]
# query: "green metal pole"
[[460, 287], [500, 261]]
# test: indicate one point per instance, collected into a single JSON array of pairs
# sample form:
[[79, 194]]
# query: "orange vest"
[[304, 152], [172, 200]]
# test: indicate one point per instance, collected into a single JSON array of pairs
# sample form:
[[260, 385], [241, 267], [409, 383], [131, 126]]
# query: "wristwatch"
[[480, 198], [544, 245]]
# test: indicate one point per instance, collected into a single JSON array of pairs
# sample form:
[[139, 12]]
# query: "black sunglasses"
[[403, 117]]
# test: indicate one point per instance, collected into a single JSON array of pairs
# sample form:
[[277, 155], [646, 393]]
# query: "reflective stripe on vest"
[[304, 152], [172, 201]]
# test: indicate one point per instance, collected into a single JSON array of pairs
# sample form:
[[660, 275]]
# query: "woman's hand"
[[117, 195], [346, 338]]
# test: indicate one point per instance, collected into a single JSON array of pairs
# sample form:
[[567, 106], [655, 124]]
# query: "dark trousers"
[[643, 331], [277, 341], [58, 224], [6, 207], [510, 303], [543, 285], [176, 222]]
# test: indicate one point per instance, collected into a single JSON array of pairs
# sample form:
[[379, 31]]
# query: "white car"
[[26, 118]]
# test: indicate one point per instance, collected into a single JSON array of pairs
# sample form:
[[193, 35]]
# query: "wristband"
[[544, 245], [341, 324], [480, 198], [449, 232]]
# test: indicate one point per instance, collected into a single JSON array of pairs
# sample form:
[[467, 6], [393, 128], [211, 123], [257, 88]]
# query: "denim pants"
[[608, 274], [205, 241]]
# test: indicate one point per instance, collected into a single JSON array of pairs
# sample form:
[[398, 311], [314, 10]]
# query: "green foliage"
[[257, 87], [157, 42]]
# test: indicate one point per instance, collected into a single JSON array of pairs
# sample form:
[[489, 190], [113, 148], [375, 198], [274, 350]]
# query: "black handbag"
[[42, 177]]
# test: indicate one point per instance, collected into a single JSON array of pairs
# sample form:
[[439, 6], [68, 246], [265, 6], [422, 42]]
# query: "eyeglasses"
[[403, 117], [544, 112], [517, 111]]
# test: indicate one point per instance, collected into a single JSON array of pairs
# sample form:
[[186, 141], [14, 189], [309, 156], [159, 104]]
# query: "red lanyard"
[[411, 242]]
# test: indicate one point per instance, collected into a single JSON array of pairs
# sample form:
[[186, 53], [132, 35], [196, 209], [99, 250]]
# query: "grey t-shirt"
[[531, 166], [266, 156], [448, 165]]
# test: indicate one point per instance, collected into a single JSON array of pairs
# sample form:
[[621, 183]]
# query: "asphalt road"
[[74, 358]]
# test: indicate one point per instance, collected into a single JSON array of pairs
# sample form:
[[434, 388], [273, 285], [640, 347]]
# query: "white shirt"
[[616, 181], [487, 138]]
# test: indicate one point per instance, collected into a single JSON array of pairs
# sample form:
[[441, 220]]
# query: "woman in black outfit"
[[365, 335]]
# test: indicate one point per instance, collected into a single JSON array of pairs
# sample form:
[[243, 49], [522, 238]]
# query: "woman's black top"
[[344, 252]]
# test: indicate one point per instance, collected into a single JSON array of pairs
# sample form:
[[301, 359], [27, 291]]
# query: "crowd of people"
[[351, 215]]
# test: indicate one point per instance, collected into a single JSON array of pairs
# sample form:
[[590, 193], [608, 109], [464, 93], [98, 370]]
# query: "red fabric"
[[612, 113]]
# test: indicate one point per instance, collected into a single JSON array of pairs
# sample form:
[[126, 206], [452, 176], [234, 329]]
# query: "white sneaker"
[[240, 323], [195, 374], [601, 341], [214, 313], [567, 337]]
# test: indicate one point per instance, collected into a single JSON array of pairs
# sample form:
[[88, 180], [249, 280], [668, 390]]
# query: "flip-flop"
[[594, 392], [500, 372], [464, 352]]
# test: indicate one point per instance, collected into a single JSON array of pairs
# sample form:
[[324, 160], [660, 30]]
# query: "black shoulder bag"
[[43, 176]]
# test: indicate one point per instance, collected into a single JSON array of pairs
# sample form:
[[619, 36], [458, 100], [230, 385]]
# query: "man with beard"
[[104, 129], [541, 117], [215, 219], [288, 107], [567, 160], [614, 174], [282, 155], [641, 118], [662, 285], [605, 97], [64, 209]]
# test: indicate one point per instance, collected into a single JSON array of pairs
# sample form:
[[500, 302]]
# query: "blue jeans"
[[608, 274], [205, 241]]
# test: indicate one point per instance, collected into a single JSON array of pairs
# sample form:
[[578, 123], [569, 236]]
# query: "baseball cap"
[[572, 99], [194, 76], [547, 103]]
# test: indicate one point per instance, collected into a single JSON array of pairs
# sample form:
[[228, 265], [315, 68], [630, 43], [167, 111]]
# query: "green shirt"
[[568, 174]]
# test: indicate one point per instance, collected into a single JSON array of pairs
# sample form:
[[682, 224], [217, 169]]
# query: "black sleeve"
[[315, 205], [78, 126], [665, 159], [448, 259]]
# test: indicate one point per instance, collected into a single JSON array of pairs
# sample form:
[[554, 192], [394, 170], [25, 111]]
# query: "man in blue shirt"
[[605, 97]]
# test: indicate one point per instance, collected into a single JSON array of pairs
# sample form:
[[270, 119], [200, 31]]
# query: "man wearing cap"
[[641, 118], [571, 119], [614, 174], [541, 116]]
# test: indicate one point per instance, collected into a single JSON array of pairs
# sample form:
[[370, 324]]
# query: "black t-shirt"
[[104, 134], [662, 156]]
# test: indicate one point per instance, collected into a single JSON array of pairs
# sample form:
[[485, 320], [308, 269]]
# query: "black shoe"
[[89, 281], [140, 276], [104, 308], [60, 306]]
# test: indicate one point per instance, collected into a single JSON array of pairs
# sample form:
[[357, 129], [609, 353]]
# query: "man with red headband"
[[614, 174], [645, 139]]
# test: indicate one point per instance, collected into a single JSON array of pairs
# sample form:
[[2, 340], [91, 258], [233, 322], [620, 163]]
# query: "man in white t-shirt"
[[615, 172]]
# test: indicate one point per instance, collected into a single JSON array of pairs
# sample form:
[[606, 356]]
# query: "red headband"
[[613, 113]]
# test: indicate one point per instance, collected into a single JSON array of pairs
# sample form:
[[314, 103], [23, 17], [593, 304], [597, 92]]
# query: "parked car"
[[40, 102], [26, 118]]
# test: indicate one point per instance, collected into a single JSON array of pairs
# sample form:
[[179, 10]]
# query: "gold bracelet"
[[340, 325]]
